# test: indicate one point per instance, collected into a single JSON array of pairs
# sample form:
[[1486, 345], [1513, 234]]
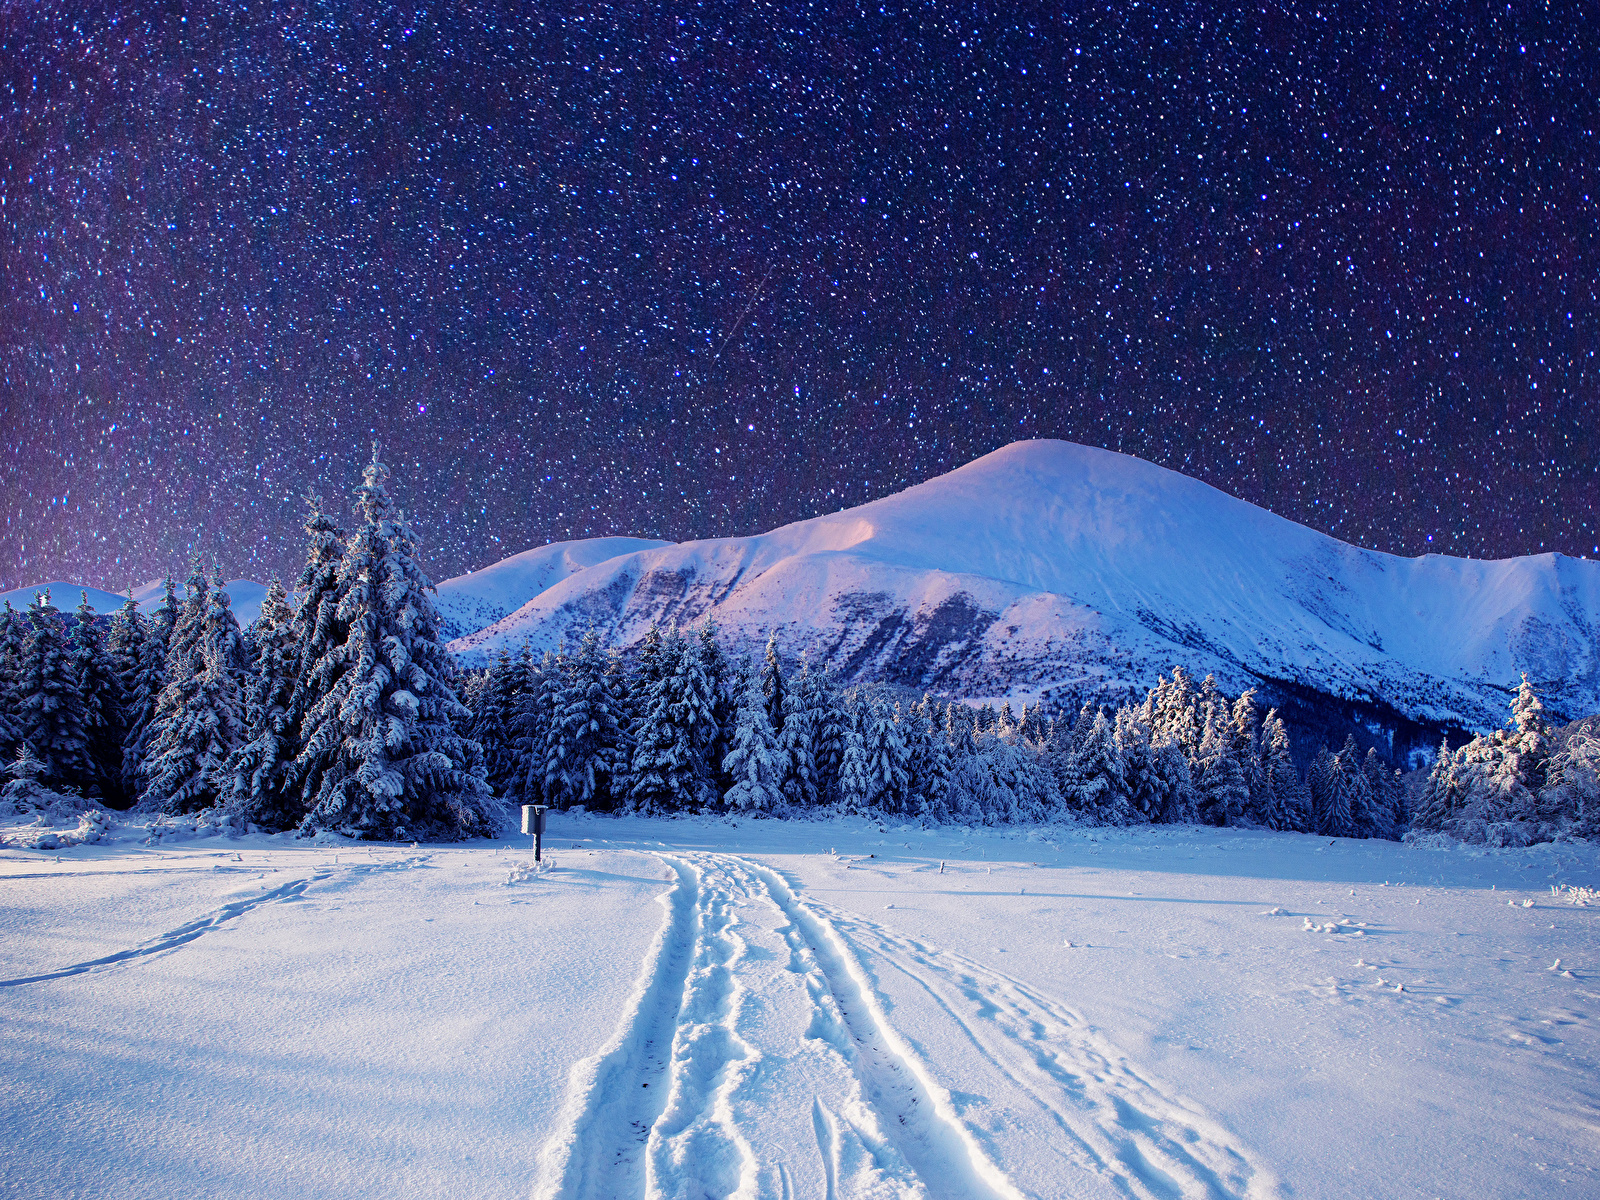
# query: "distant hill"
[[245, 596]]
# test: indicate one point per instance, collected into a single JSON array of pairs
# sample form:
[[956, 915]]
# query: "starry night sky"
[[696, 269]]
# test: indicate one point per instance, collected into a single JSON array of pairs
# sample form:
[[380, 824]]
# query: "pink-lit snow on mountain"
[[1047, 565]]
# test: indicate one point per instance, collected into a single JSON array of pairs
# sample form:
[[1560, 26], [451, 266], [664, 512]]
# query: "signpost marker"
[[533, 822]]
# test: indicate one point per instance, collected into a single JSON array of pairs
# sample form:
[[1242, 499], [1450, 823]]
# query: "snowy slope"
[[246, 596], [477, 599], [704, 1008], [1048, 566]]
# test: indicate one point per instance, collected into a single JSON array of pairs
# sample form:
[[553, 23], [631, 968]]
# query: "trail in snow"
[[200, 926], [1115, 1121], [757, 1060], [615, 1098]]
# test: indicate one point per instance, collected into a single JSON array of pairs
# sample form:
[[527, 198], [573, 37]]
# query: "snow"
[[477, 599], [704, 1007], [1046, 564], [244, 595]]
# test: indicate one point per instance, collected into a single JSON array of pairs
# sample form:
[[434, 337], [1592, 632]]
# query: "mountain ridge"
[[1048, 568]]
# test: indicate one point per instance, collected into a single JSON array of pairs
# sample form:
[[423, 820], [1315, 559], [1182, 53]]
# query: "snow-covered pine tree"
[[383, 750], [1173, 784], [929, 761], [1022, 789], [1250, 750], [50, 709], [854, 788], [1224, 790], [667, 773], [1383, 796], [261, 783], [142, 698], [199, 718], [1360, 798], [125, 649], [887, 757], [1569, 802], [830, 721], [1441, 795], [726, 690], [695, 700], [319, 633], [102, 703], [755, 761], [533, 718], [587, 730], [773, 685], [1339, 807], [1175, 713], [798, 742], [1092, 780], [493, 718], [1285, 805], [1135, 754], [12, 633]]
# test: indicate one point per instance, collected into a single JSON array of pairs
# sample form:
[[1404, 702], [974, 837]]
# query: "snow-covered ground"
[[698, 1008]]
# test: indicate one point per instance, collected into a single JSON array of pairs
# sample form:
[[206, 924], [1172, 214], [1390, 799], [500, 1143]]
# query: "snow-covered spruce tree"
[[830, 721], [493, 718], [1385, 798], [382, 749], [1135, 753], [755, 761], [1224, 792], [102, 702], [773, 685], [533, 720], [668, 772], [1441, 795], [50, 709], [1092, 779], [261, 780], [1250, 751], [929, 763], [1498, 778], [12, 624], [1569, 802], [1285, 805], [854, 786], [199, 718], [1340, 802], [887, 757], [144, 694], [798, 743], [318, 630], [726, 689], [125, 650], [586, 730]]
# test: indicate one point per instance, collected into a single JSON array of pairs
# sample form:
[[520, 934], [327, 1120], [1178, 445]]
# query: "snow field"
[[398, 1023], [830, 1009]]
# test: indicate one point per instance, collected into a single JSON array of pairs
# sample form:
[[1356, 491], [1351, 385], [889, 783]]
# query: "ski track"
[[616, 1097], [200, 926], [882, 1128], [1153, 1144]]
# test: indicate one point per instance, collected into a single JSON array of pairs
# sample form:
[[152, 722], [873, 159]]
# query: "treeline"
[[1522, 784], [335, 712], [678, 727]]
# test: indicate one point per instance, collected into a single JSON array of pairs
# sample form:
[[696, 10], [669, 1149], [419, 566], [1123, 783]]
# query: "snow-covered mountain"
[[244, 595], [1048, 568], [478, 599]]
